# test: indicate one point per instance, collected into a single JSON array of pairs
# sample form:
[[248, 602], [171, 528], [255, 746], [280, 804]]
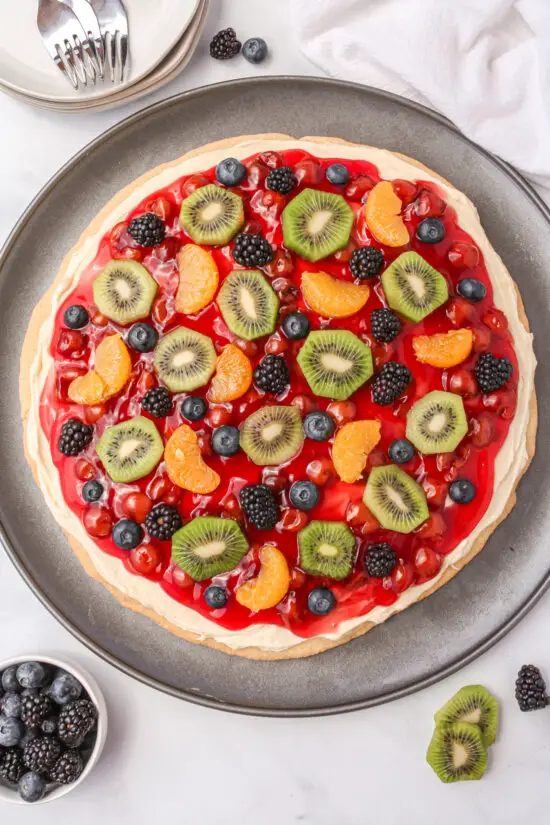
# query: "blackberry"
[[258, 502], [35, 707], [385, 325], [272, 375], [390, 383], [157, 402], [224, 45], [11, 764], [531, 689], [75, 721], [366, 262], [147, 230], [42, 753], [252, 250], [163, 521], [492, 373], [67, 768], [75, 437], [282, 180], [380, 559]]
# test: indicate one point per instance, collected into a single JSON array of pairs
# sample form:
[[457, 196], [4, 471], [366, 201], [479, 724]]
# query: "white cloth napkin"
[[485, 64]]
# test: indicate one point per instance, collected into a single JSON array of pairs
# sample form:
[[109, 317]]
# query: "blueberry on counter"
[[255, 50], [337, 174], [127, 534], [321, 601], [318, 426], [230, 172], [304, 495], [76, 317]]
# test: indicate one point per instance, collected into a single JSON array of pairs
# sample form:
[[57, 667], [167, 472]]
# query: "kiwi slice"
[[212, 215], [395, 499], [184, 359], [272, 435], [208, 546], [437, 422], [316, 224], [413, 287], [457, 752], [124, 291], [130, 450], [335, 362], [327, 548], [475, 705], [248, 304]]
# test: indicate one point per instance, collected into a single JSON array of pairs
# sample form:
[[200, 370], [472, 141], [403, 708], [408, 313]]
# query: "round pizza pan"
[[427, 641]]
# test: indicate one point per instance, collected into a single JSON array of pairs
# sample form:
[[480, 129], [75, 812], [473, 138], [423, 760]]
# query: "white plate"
[[25, 66]]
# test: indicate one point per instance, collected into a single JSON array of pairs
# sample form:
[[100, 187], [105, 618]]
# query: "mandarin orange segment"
[[383, 215], [331, 297], [199, 279], [113, 363], [233, 375], [352, 445], [446, 349], [185, 465], [88, 389], [270, 585]]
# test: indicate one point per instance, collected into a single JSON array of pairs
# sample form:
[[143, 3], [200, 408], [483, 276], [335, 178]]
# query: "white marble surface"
[[169, 760]]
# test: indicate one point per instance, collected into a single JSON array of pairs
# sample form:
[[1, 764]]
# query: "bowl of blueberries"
[[53, 725]]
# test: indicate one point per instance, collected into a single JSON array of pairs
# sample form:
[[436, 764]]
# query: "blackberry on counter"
[[366, 262], [163, 521], [75, 437], [492, 373], [385, 325], [390, 383], [42, 753], [147, 230], [531, 689], [252, 249], [76, 719], [272, 375], [11, 764], [157, 402], [259, 505], [282, 180], [224, 45], [380, 560], [67, 768], [35, 707]]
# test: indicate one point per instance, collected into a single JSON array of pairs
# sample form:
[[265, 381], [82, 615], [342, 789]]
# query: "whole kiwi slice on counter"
[[475, 705], [327, 548], [248, 304], [124, 291], [437, 422], [272, 435], [413, 287], [395, 499], [335, 363], [457, 752], [212, 215], [130, 450], [208, 546], [316, 224], [184, 359]]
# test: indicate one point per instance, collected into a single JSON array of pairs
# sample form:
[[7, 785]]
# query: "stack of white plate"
[[163, 37]]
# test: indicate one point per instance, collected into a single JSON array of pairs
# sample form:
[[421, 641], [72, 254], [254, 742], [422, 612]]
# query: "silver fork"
[[89, 22], [113, 21], [66, 42]]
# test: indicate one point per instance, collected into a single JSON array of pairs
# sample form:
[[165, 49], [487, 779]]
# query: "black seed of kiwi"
[[212, 215], [124, 291], [208, 546]]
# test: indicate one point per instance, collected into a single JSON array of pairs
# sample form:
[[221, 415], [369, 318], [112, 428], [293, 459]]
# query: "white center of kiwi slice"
[[248, 303], [128, 447], [395, 497], [437, 423], [123, 288], [272, 431], [417, 284], [213, 548], [318, 221], [328, 550], [211, 211], [180, 359], [333, 362], [461, 755]]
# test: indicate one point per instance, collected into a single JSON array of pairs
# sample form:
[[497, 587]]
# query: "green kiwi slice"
[[184, 359], [316, 224], [327, 548], [413, 287], [395, 499], [475, 705], [208, 546], [248, 304], [272, 435], [211, 215], [130, 450], [457, 753], [124, 291], [437, 422], [335, 363]]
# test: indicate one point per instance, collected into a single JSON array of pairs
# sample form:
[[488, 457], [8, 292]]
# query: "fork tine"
[[110, 50], [75, 62], [63, 66], [83, 53], [123, 54]]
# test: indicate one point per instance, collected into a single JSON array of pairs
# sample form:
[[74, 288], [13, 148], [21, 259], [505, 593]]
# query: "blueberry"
[[143, 337], [462, 491], [65, 688], [318, 426], [194, 408], [11, 731], [320, 601], [92, 491], [230, 172], [76, 317], [472, 289], [226, 440], [255, 50], [215, 596], [337, 174], [32, 787], [11, 704], [304, 495], [127, 534], [31, 675], [9, 679], [430, 230], [401, 451], [296, 326]]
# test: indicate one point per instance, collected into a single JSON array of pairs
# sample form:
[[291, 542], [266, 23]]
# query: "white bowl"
[[10, 794]]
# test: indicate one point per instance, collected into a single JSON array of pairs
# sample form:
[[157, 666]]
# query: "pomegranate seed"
[[98, 522], [99, 320], [357, 514], [482, 429], [273, 200], [275, 480], [281, 264], [428, 204], [205, 446], [94, 413], [463, 383], [482, 339], [358, 187], [232, 506], [436, 491], [145, 558], [84, 470], [402, 577], [293, 520], [370, 524], [286, 291], [496, 321], [276, 345], [136, 506], [172, 496], [460, 312], [181, 578], [426, 562], [405, 191], [377, 458], [162, 207], [503, 402], [342, 411], [249, 348], [193, 183], [308, 172], [218, 417], [297, 579], [321, 471], [434, 527], [463, 255], [160, 311], [271, 159], [304, 403], [71, 342], [158, 487]]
